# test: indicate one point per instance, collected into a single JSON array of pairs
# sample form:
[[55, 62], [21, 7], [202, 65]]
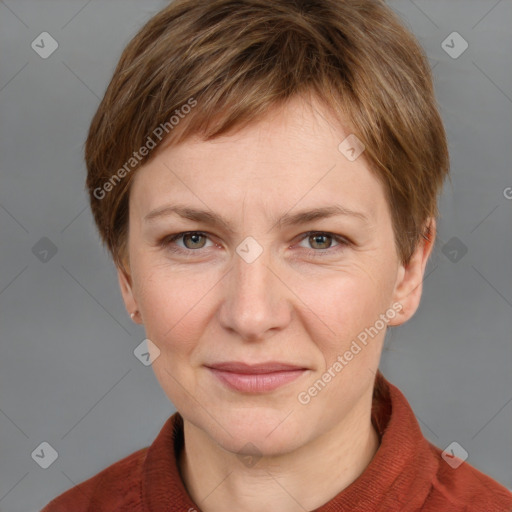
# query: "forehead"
[[290, 156]]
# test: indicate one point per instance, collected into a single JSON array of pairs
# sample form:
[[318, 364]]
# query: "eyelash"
[[168, 240]]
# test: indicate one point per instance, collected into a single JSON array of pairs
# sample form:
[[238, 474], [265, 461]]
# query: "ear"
[[125, 283], [409, 284]]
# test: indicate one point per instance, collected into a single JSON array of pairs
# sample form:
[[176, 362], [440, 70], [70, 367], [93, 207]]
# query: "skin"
[[288, 305]]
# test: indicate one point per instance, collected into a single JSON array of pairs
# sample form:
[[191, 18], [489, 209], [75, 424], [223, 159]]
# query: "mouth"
[[256, 378]]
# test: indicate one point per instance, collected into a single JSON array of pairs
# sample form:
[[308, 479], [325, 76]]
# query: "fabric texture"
[[407, 474]]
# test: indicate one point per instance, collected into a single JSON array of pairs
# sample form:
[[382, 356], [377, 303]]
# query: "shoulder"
[[116, 487], [466, 489]]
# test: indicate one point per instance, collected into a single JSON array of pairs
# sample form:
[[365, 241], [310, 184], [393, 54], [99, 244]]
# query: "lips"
[[256, 378], [271, 367]]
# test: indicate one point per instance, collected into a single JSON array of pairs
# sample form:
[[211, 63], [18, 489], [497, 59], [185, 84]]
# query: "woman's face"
[[256, 288]]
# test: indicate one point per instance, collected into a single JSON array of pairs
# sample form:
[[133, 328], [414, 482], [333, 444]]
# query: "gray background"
[[68, 375]]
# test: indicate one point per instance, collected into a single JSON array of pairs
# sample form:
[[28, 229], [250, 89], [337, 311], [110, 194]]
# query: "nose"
[[255, 302]]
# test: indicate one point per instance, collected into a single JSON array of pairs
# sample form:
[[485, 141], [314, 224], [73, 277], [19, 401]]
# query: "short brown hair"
[[238, 58]]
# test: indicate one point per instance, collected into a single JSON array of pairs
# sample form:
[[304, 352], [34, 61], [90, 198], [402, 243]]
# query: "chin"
[[259, 431]]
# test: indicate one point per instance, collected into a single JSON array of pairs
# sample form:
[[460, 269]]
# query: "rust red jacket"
[[407, 474]]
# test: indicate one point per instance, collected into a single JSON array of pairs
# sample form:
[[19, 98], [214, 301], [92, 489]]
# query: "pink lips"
[[255, 378]]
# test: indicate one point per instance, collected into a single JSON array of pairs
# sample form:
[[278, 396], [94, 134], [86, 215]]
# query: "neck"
[[304, 479]]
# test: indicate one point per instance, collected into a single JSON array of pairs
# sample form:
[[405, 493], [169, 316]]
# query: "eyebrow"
[[216, 220]]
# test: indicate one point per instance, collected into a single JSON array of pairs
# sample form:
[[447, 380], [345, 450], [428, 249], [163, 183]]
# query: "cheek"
[[174, 306], [343, 305], [174, 309]]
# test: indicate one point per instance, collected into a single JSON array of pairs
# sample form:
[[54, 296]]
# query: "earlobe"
[[409, 284], [125, 284]]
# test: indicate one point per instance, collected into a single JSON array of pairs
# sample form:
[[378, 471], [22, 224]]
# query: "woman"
[[265, 174]]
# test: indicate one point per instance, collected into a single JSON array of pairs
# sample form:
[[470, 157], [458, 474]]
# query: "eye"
[[192, 240], [322, 242]]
